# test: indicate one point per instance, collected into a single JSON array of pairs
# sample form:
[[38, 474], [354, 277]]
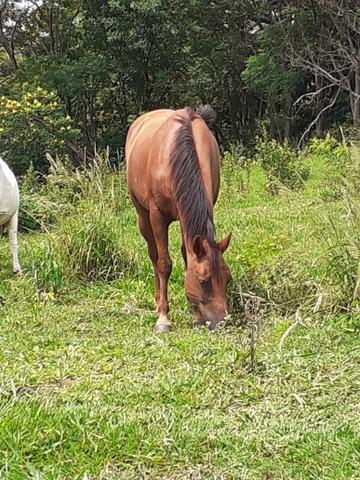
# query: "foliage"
[[283, 165], [37, 209], [108, 61], [90, 392], [91, 245], [82, 212], [338, 159], [37, 114], [235, 171], [344, 243]]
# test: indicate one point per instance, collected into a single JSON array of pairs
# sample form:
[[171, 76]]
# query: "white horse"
[[9, 209]]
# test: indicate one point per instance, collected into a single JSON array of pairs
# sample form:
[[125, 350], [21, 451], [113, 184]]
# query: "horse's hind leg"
[[164, 266], [12, 227]]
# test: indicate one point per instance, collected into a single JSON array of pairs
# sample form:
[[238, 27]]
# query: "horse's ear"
[[198, 246], [223, 245]]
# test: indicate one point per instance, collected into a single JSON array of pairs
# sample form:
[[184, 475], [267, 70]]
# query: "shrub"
[[344, 242], [282, 164], [337, 158], [235, 170], [38, 115], [82, 210], [37, 211], [281, 286], [91, 244]]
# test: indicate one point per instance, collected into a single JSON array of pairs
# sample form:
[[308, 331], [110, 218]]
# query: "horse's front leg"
[[147, 233], [12, 227], [164, 266]]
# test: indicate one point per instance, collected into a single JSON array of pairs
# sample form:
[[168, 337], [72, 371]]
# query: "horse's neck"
[[2, 171], [7, 178], [9, 193], [4, 183]]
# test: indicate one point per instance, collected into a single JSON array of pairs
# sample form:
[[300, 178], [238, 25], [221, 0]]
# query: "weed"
[[282, 164]]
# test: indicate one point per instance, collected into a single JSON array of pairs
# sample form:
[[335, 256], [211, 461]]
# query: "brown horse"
[[173, 174]]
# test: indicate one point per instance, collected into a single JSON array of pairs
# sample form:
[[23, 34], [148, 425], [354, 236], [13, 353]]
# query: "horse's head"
[[207, 278]]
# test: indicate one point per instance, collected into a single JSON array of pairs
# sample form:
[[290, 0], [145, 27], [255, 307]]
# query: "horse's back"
[[9, 193], [141, 148], [148, 151]]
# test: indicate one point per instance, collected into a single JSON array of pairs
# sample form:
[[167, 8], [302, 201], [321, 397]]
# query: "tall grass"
[[86, 390], [85, 232], [297, 251]]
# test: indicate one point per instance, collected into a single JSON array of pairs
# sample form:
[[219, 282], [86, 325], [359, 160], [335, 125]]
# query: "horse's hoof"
[[17, 272], [162, 329], [198, 325]]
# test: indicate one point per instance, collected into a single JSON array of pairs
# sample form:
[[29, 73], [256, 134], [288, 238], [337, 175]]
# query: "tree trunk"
[[356, 106], [287, 126], [9, 48], [319, 132], [272, 129]]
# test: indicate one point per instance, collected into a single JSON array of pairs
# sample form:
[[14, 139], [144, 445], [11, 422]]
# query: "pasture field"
[[88, 392]]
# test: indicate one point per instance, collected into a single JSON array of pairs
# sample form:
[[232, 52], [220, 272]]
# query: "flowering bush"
[[32, 121]]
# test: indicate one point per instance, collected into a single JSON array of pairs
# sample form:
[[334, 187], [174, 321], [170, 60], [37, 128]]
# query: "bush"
[[337, 158], [235, 170], [32, 122], [344, 242], [37, 211], [282, 164], [82, 211], [91, 245]]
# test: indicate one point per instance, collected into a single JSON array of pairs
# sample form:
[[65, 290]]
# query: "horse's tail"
[[208, 114], [186, 179]]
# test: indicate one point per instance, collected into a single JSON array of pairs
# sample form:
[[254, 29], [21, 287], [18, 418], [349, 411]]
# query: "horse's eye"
[[202, 281]]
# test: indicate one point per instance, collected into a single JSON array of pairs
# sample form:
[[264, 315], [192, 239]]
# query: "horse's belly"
[[9, 204]]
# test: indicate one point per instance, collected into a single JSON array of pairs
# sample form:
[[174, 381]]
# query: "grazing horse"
[[173, 174], [9, 208]]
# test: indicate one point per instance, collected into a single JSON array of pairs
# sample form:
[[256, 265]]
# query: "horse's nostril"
[[212, 328], [215, 325]]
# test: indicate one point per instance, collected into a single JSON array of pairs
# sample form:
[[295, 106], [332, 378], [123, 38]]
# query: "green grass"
[[88, 392]]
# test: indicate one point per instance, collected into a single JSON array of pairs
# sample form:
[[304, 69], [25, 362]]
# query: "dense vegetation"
[[86, 389], [291, 67]]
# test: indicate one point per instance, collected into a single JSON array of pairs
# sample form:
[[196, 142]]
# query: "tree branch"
[[318, 116]]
